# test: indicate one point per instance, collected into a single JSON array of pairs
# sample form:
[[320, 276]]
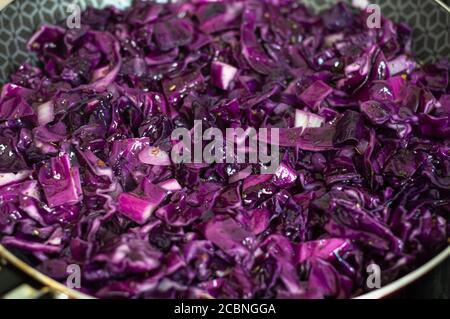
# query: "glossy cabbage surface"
[[86, 177]]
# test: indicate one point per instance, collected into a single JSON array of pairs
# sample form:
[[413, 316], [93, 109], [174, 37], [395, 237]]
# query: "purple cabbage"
[[85, 141]]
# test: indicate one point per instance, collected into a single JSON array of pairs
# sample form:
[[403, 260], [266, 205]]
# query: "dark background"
[[434, 285]]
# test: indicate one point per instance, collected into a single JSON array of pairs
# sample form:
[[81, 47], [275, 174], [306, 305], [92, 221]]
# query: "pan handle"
[[16, 285], [25, 291], [56, 289]]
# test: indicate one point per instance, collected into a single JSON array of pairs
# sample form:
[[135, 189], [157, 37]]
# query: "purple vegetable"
[[154, 156], [229, 236], [222, 74], [308, 119], [173, 33], [170, 185], [315, 94], [284, 176], [218, 16], [140, 207], [60, 181], [86, 175]]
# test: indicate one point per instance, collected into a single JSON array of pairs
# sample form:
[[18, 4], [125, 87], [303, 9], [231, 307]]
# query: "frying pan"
[[430, 20]]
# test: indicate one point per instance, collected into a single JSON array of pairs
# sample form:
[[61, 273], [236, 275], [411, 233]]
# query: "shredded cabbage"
[[86, 175]]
